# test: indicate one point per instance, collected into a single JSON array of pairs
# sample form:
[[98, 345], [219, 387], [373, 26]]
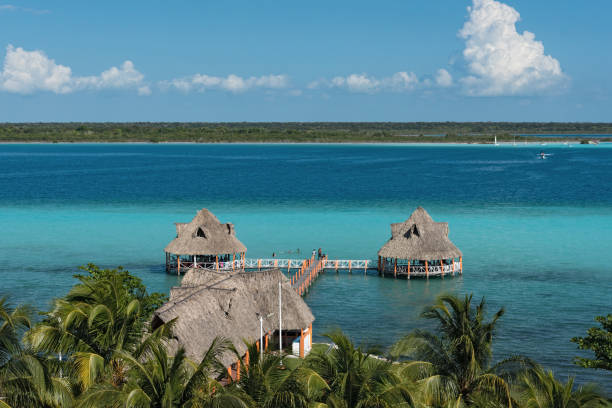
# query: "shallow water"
[[535, 233]]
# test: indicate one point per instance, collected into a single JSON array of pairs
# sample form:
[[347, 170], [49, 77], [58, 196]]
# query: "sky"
[[333, 60]]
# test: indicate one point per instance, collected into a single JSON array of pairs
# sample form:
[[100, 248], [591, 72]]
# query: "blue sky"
[[404, 60]]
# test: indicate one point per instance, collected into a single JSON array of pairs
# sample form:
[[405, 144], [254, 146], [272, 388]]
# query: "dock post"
[[409, 268], [350, 271], [460, 265], [238, 370], [382, 269], [442, 267], [395, 269], [427, 269], [365, 269], [178, 265], [310, 335], [246, 361], [301, 343], [336, 266]]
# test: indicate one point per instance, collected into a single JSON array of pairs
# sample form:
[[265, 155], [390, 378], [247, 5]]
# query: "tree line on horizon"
[[323, 132], [95, 348]]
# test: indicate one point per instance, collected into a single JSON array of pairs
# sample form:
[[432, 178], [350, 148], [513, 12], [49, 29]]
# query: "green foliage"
[[273, 382], [538, 388], [328, 132], [599, 341], [101, 317], [158, 380], [137, 290], [453, 365], [110, 358], [26, 378], [357, 379]]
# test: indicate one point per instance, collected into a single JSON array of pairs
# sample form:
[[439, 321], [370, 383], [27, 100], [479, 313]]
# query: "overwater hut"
[[419, 246], [212, 303], [204, 243]]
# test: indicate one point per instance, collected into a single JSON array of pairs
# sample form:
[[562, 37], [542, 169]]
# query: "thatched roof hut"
[[205, 235], [420, 238], [210, 304]]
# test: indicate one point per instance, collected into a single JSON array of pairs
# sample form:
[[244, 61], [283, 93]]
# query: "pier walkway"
[[303, 272]]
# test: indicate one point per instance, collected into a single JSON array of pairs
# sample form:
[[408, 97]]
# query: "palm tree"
[[357, 379], [538, 388], [453, 366], [276, 382], [26, 379], [168, 382], [95, 321]]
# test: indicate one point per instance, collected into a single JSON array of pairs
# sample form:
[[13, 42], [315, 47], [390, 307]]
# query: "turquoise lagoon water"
[[536, 234]]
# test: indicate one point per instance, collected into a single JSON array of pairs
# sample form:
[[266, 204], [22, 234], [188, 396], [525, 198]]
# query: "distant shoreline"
[[412, 133], [572, 142]]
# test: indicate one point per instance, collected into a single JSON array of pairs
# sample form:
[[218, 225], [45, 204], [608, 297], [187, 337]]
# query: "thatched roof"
[[205, 235], [210, 304], [419, 238]]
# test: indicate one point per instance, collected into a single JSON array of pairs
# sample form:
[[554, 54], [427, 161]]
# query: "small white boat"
[[543, 156]]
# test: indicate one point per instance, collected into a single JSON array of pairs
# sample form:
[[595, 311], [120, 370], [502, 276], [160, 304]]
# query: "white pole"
[[280, 319], [195, 264], [261, 345]]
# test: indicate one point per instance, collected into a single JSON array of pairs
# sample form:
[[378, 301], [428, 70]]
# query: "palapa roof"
[[205, 235], [420, 238], [210, 303]]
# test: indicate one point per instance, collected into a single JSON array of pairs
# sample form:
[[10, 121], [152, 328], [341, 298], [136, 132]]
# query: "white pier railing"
[[328, 264], [422, 270], [350, 264], [273, 263]]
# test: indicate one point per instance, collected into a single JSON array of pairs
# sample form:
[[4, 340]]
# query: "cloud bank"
[[499, 61], [232, 83], [26, 72], [502, 61]]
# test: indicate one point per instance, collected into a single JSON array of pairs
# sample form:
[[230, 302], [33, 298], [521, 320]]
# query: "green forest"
[[95, 347], [301, 132]]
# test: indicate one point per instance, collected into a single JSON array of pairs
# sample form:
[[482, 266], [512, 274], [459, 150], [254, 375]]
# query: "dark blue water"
[[535, 233]]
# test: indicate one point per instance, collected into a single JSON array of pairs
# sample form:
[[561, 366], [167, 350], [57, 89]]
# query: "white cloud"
[[26, 72], [11, 7], [114, 78], [444, 78], [144, 90], [502, 61], [363, 83], [232, 83]]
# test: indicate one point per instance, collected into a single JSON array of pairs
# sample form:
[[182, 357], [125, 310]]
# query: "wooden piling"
[[301, 343]]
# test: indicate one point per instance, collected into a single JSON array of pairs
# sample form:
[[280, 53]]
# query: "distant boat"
[[495, 143], [543, 156]]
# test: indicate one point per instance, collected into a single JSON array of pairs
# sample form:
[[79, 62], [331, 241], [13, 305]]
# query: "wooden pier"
[[418, 248]]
